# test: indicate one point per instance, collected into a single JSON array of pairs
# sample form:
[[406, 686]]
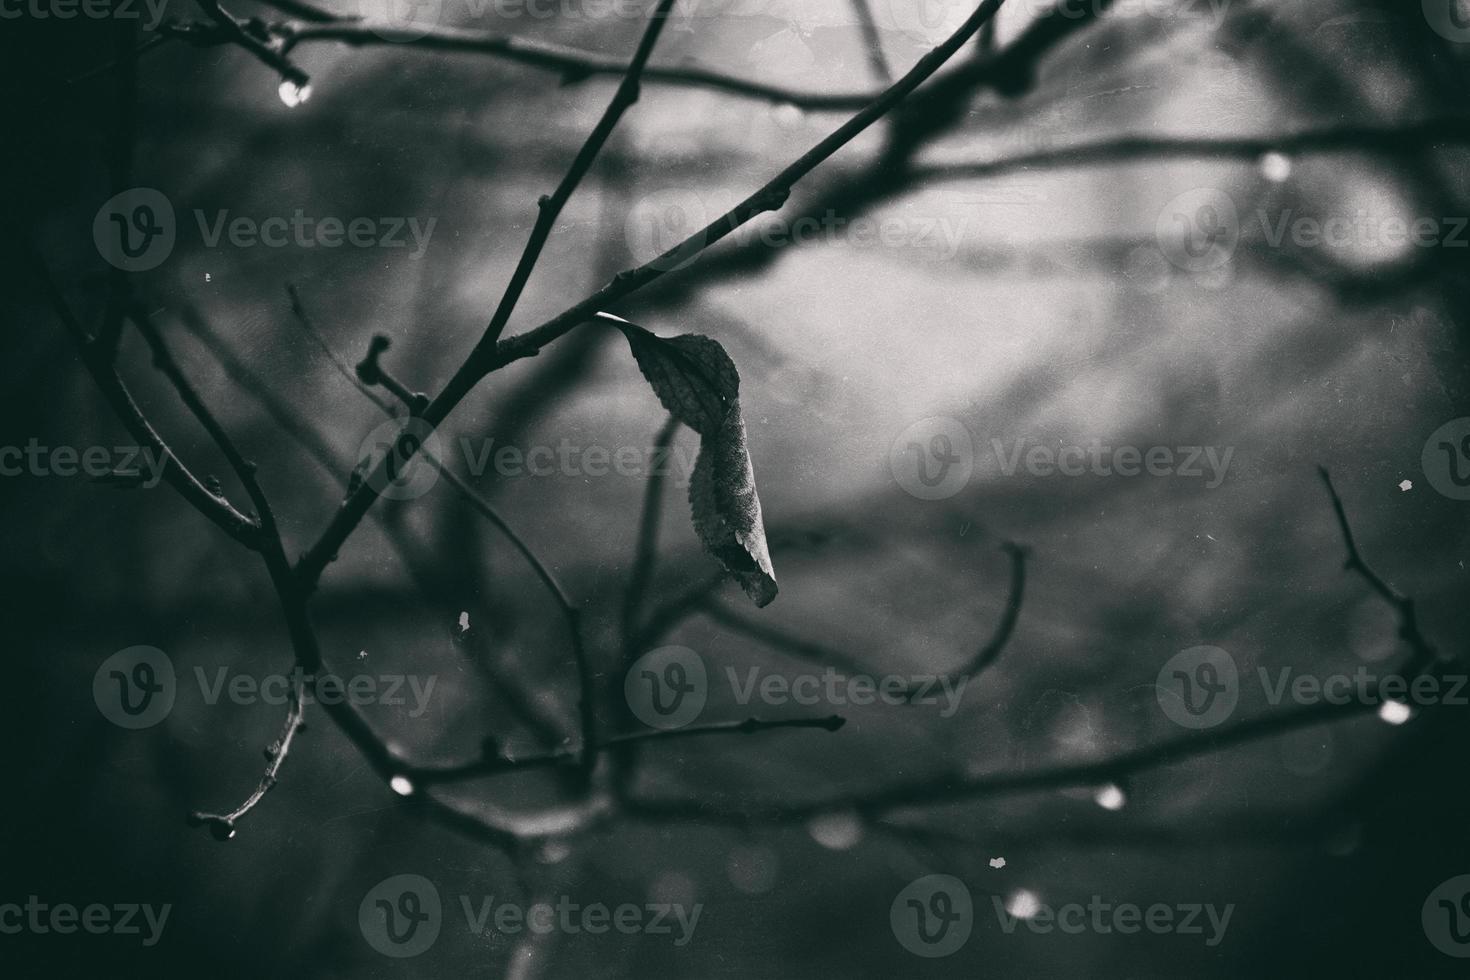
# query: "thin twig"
[[236, 32], [222, 825], [208, 502], [549, 208], [1424, 653]]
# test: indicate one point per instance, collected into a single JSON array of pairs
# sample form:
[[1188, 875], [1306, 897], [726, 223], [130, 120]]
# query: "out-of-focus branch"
[[872, 40], [99, 363], [645, 555], [496, 761], [1424, 654], [1399, 138]]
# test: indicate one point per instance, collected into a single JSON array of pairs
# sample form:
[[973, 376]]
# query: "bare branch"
[[99, 363], [222, 825], [488, 355]]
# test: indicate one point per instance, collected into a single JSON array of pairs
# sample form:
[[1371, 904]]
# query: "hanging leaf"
[[697, 382]]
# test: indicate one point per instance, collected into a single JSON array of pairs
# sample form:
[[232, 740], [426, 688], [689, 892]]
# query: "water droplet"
[[401, 785], [1395, 712], [292, 94], [1111, 797], [1023, 904], [1276, 167], [836, 831]]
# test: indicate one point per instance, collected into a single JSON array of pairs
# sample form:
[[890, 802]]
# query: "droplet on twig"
[[1023, 904], [1276, 167], [1110, 797], [1395, 712], [401, 785], [292, 94]]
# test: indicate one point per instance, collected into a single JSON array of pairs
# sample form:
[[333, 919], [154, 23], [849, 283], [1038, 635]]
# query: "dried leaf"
[[697, 382], [727, 509], [692, 375]]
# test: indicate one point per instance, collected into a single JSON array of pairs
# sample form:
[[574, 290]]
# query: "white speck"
[[1395, 712], [1406, 486], [464, 622], [1110, 797], [362, 655], [1276, 167], [206, 277], [401, 785], [1023, 905], [997, 862]]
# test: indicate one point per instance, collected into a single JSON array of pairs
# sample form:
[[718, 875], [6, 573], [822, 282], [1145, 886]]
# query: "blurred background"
[[1119, 283]]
